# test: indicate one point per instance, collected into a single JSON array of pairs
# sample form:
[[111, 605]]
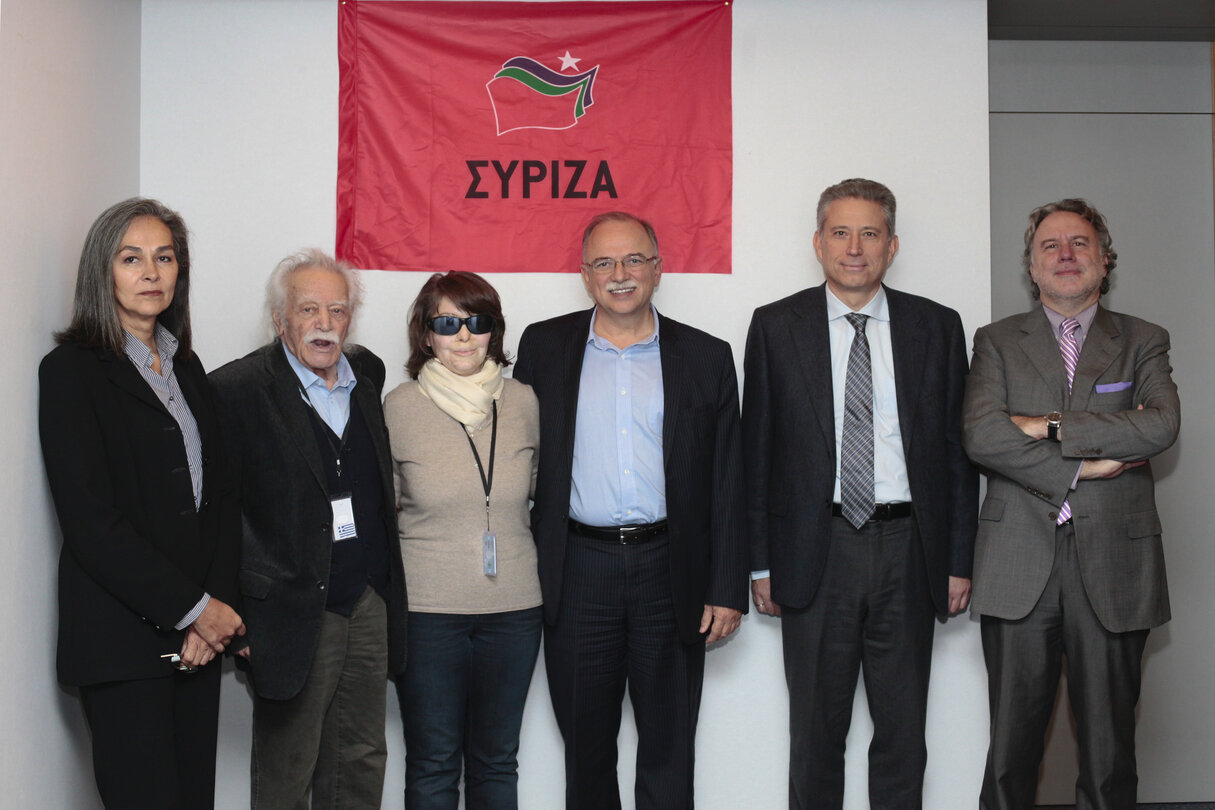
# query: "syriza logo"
[[527, 95]]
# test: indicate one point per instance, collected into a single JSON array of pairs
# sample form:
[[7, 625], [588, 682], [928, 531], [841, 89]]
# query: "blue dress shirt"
[[332, 406], [618, 477]]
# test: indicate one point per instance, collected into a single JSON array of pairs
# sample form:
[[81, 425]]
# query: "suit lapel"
[[197, 399], [671, 354], [364, 398], [1042, 348], [123, 374], [811, 346], [1100, 348], [571, 366], [907, 346], [283, 391]]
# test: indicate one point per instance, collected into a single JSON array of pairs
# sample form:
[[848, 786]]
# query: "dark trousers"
[[154, 740], [616, 626], [329, 737], [872, 613], [1024, 658], [462, 696]]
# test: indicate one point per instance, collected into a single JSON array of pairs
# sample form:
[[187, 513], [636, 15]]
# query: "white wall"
[[69, 147], [1128, 126], [238, 131]]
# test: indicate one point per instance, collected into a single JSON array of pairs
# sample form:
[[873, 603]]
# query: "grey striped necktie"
[[856, 442]]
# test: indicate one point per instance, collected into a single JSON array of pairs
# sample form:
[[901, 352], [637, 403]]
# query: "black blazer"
[[136, 554], [701, 453], [789, 439], [284, 572]]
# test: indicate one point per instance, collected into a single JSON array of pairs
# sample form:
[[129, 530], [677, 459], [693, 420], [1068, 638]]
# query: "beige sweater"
[[441, 502]]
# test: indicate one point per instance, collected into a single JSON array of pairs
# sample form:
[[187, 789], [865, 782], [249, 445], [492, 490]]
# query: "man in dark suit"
[[861, 502], [638, 518], [321, 576], [1064, 407]]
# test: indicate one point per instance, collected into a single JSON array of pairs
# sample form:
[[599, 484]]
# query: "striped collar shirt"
[[167, 390]]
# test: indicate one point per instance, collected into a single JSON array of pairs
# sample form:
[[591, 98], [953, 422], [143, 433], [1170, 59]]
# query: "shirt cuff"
[[1076, 480], [760, 574], [193, 615]]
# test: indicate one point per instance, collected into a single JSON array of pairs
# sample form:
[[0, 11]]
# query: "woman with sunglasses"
[[464, 446]]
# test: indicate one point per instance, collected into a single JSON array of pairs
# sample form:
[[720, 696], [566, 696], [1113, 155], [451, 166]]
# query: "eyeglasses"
[[631, 262], [447, 325]]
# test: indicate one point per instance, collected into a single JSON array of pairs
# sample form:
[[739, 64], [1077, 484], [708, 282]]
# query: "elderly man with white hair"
[[322, 587]]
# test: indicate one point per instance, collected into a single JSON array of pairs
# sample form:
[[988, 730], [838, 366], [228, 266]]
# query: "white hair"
[[276, 286]]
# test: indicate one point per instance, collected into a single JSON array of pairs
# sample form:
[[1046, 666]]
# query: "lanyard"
[[326, 430], [487, 482]]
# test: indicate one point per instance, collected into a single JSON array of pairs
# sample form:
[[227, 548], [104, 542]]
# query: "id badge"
[[489, 554], [343, 517]]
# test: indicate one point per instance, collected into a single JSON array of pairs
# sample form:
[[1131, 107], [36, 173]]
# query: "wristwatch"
[[1053, 420]]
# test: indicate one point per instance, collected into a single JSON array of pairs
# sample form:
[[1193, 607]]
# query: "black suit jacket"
[[136, 554], [789, 439], [284, 572], [701, 454]]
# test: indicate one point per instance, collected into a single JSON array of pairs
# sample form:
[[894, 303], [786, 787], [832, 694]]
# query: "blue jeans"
[[462, 696]]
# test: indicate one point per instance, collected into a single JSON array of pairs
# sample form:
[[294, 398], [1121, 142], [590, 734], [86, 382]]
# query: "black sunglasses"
[[447, 325]]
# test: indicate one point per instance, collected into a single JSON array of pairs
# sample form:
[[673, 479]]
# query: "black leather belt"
[[881, 511], [624, 535]]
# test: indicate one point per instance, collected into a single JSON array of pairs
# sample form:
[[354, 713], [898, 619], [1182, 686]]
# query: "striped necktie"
[[1070, 350], [856, 440]]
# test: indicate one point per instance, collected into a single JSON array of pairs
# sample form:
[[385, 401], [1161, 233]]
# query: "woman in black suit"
[[148, 512]]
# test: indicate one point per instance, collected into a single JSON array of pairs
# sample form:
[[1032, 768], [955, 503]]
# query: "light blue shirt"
[[889, 464], [332, 406], [618, 476]]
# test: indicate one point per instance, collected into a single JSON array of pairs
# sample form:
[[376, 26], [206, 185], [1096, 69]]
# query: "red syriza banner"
[[484, 135]]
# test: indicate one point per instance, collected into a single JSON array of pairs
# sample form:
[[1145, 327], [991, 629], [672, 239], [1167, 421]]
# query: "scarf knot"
[[468, 400]]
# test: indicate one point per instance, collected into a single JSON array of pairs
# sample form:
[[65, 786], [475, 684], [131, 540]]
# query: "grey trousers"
[[331, 735], [1024, 659]]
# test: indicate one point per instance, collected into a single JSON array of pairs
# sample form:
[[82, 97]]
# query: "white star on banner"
[[568, 62]]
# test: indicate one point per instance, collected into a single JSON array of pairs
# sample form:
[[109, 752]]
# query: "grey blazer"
[[1017, 370]]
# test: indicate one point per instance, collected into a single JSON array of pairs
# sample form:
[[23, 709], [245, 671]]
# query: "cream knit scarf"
[[469, 399]]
